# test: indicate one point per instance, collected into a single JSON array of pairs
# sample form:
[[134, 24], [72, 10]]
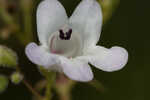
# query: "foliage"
[[3, 83]]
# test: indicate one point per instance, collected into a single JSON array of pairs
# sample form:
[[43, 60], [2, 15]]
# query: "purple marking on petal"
[[68, 34], [62, 34]]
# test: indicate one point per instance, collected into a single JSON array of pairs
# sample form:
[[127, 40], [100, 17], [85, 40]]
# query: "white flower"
[[69, 44]]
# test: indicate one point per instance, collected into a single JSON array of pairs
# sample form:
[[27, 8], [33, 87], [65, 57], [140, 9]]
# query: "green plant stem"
[[32, 90], [50, 77], [66, 95], [48, 92], [26, 7], [50, 81], [64, 87], [98, 85]]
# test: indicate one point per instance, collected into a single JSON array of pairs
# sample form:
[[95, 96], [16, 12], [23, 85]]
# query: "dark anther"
[[61, 34], [65, 36], [68, 34]]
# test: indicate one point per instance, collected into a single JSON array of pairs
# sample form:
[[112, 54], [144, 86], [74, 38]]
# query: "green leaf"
[[3, 83], [8, 57]]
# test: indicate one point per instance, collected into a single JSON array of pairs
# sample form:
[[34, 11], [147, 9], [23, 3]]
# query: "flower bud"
[[8, 57], [16, 78]]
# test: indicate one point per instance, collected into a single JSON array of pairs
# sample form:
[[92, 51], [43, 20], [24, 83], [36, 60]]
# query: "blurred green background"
[[128, 27]]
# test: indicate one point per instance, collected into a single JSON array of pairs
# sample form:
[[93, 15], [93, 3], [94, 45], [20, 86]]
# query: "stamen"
[[61, 35], [65, 36], [68, 34]]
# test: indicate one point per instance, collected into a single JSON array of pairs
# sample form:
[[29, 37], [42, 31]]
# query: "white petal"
[[51, 16], [108, 59], [39, 56], [87, 20], [77, 69]]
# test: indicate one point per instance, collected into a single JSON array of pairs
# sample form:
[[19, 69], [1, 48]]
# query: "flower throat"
[[65, 36]]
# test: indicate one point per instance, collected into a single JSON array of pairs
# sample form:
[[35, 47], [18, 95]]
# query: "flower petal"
[[77, 69], [51, 15], [39, 56], [108, 59], [87, 20]]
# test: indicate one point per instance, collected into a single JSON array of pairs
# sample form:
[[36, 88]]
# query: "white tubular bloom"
[[69, 44]]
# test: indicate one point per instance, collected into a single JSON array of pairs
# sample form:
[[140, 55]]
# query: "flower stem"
[[98, 85], [50, 77], [65, 96], [48, 92], [64, 87], [26, 7], [32, 90]]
